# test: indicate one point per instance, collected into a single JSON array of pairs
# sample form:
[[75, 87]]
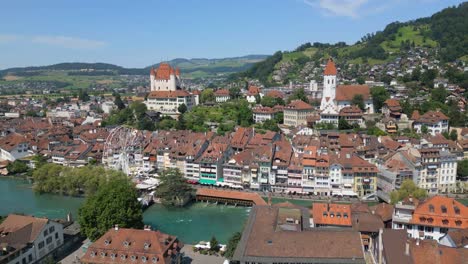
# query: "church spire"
[[330, 69]]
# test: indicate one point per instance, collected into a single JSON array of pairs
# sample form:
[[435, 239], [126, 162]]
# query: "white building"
[[263, 113], [253, 93], [14, 146], [28, 239], [222, 95], [435, 122], [166, 93], [108, 106]]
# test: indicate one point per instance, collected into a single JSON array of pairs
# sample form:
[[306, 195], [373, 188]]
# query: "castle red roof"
[[330, 69], [347, 92], [164, 71]]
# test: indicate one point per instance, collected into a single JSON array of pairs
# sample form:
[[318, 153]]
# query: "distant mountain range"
[[197, 67]]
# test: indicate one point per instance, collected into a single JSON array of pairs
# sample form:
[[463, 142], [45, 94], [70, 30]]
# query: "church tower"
[[329, 86]]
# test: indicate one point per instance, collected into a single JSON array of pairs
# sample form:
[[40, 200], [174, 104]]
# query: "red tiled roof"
[[331, 214], [221, 92], [275, 94], [347, 92], [15, 223], [237, 195], [168, 94], [441, 211], [253, 90], [330, 69], [164, 72], [431, 117], [299, 105], [12, 140], [130, 243]]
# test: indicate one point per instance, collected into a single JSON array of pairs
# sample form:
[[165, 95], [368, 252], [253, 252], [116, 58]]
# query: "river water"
[[200, 221]]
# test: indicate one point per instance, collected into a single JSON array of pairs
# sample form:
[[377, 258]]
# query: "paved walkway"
[[197, 258]]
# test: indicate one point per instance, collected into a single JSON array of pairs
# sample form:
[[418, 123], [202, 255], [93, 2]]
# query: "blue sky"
[[137, 33]]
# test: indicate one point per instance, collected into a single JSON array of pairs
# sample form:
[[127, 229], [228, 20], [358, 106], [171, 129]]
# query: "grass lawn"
[[408, 33]]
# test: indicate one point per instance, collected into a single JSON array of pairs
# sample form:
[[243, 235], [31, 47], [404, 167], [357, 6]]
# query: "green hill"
[[445, 32]]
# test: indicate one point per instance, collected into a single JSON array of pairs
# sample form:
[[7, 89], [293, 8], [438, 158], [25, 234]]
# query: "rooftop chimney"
[[116, 227]]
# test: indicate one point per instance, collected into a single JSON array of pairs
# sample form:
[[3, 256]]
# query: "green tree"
[[271, 101], [343, 124], [207, 95], [234, 92], [39, 160], [232, 245], [453, 135], [379, 96], [360, 80], [298, 94], [118, 101], [424, 129], [462, 169], [83, 95], [173, 188], [182, 108], [270, 125], [115, 203], [358, 100], [439, 95], [407, 188], [17, 167], [214, 244]]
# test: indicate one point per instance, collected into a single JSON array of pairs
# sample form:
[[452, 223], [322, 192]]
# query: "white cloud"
[[5, 38], [349, 8], [69, 42]]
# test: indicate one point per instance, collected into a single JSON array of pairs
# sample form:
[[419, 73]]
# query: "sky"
[[138, 33]]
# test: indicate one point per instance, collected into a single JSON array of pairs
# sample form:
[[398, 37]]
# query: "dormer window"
[[444, 209], [133, 257], [457, 210], [458, 223], [93, 254], [345, 215], [126, 243], [147, 245], [113, 255], [103, 254], [325, 214], [123, 256], [332, 215], [155, 259], [144, 259], [431, 208], [107, 242], [430, 220]]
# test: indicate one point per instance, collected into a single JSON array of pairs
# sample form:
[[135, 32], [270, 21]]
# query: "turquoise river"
[[197, 222]]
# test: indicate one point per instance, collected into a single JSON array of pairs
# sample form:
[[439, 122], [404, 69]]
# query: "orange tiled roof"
[[330, 69], [221, 92], [299, 105], [130, 243], [331, 214], [441, 211], [347, 92], [237, 195], [164, 72]]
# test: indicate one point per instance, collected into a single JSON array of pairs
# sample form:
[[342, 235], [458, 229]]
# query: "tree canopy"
[[173, 189], [115, 203], [232, 245], [53, 178], [379, 95], [207, 95], [358, 100], [407, 188]]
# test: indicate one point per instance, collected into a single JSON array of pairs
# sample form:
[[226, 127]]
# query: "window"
[[429, 229], [458, 222], [23, 261], [457, 210], [30, 257], [46, 232], [49, 240], [444, 209], [56, 236], [421, 228], [41, 244], [51, 229]]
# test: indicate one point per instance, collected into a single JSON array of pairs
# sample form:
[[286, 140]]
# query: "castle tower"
[[165, 78]]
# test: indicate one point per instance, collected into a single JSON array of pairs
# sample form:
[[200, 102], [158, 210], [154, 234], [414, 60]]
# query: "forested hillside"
[[444, 35]]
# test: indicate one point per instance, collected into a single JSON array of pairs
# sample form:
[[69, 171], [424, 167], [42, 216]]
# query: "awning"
[[207, 181]]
